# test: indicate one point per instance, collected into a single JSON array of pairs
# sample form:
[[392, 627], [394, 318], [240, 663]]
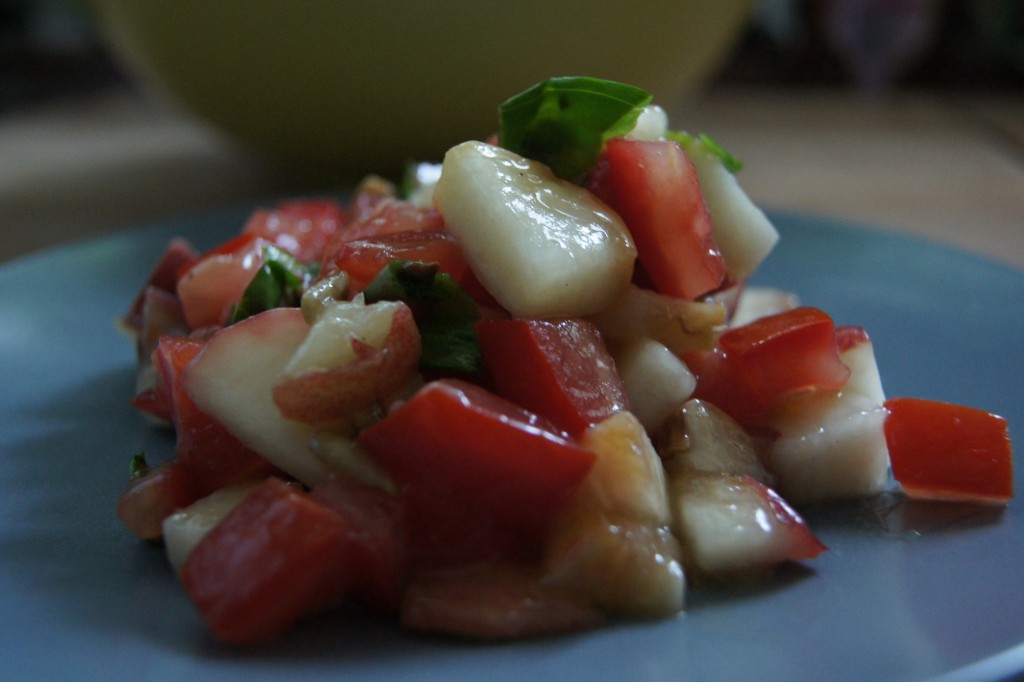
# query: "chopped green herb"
[[564, 122], [445, 314], [278, 283], [138, 467], [690, 142]]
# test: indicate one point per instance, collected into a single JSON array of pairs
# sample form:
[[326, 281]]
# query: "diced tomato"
[[153, 497], [302, 227], [177, 257], [212, 456], [755, 366], [364, 258], [787, 352], [390, 216], [276, 557], [210, 287], [374, 522], [441, 531], [454, 438], [949, 452], [560, 369], [654, 187]]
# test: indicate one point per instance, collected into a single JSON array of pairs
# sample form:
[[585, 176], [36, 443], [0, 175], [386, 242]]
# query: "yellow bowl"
[[347, 87]]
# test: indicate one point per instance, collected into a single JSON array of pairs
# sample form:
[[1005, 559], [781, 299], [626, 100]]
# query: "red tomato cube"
[[276, 557], [949, 452], [301, 227], [654, 187], [455, 438], [560, 369], [787, 352]]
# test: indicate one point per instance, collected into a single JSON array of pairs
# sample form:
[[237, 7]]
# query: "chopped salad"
[[525, 391]]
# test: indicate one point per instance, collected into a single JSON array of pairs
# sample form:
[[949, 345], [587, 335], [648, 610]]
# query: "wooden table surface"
[[946, 167]]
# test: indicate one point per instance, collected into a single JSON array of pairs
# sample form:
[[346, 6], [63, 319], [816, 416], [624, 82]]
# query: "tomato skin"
[[276, 557], [179, 255], [753, 368], [390, 216], [213, 284], [558, 368], [375, 523], [787, 352], [153, 497], [946, 451], [302, 227], [364, 258], [654, 187], [454, 438]]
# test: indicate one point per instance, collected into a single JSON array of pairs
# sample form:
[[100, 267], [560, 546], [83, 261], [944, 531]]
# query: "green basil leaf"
[[445, 314], [278, 283], [564, 122], [690, 142]]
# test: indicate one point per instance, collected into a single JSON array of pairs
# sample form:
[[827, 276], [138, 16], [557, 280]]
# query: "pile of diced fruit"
[[524, 393]]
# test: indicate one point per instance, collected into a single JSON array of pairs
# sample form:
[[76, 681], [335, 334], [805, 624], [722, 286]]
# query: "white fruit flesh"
[[742, 232], [328, 345], [627, 477], [232, 380], [656, 380], [540, 245], [652, 124], [832, 444], [702, 439], [757, 302], [613, 543], [185, 528], [679, 325], [865, 379], [727, 524], [831, 447]]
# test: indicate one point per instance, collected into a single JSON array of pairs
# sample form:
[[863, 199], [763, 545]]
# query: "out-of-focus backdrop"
[[904, 114]]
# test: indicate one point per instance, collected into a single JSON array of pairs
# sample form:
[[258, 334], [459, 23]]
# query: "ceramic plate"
[[906, 592]]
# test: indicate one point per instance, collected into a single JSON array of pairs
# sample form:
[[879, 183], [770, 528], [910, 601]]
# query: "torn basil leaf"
[[564, 122], [445, 314], [278, 283], [689, 142]]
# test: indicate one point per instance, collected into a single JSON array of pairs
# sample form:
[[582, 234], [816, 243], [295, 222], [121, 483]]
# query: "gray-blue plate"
[[906, 592]]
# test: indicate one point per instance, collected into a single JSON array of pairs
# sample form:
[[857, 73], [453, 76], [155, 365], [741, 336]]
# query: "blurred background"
[[904, 114]]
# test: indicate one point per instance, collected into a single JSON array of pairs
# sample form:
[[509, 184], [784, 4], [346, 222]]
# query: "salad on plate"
[[527, 391]]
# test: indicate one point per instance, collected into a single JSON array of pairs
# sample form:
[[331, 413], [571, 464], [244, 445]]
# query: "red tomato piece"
[[374, 522], [389, 216], [363, 259], [454, 438], [791, 351], [949, 452], [654, 187], [153, 497], [177, 257], [275, 558], [212, 456], [302, 227], [560, 369], [753, 367], [442, 531], [209, 288]]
